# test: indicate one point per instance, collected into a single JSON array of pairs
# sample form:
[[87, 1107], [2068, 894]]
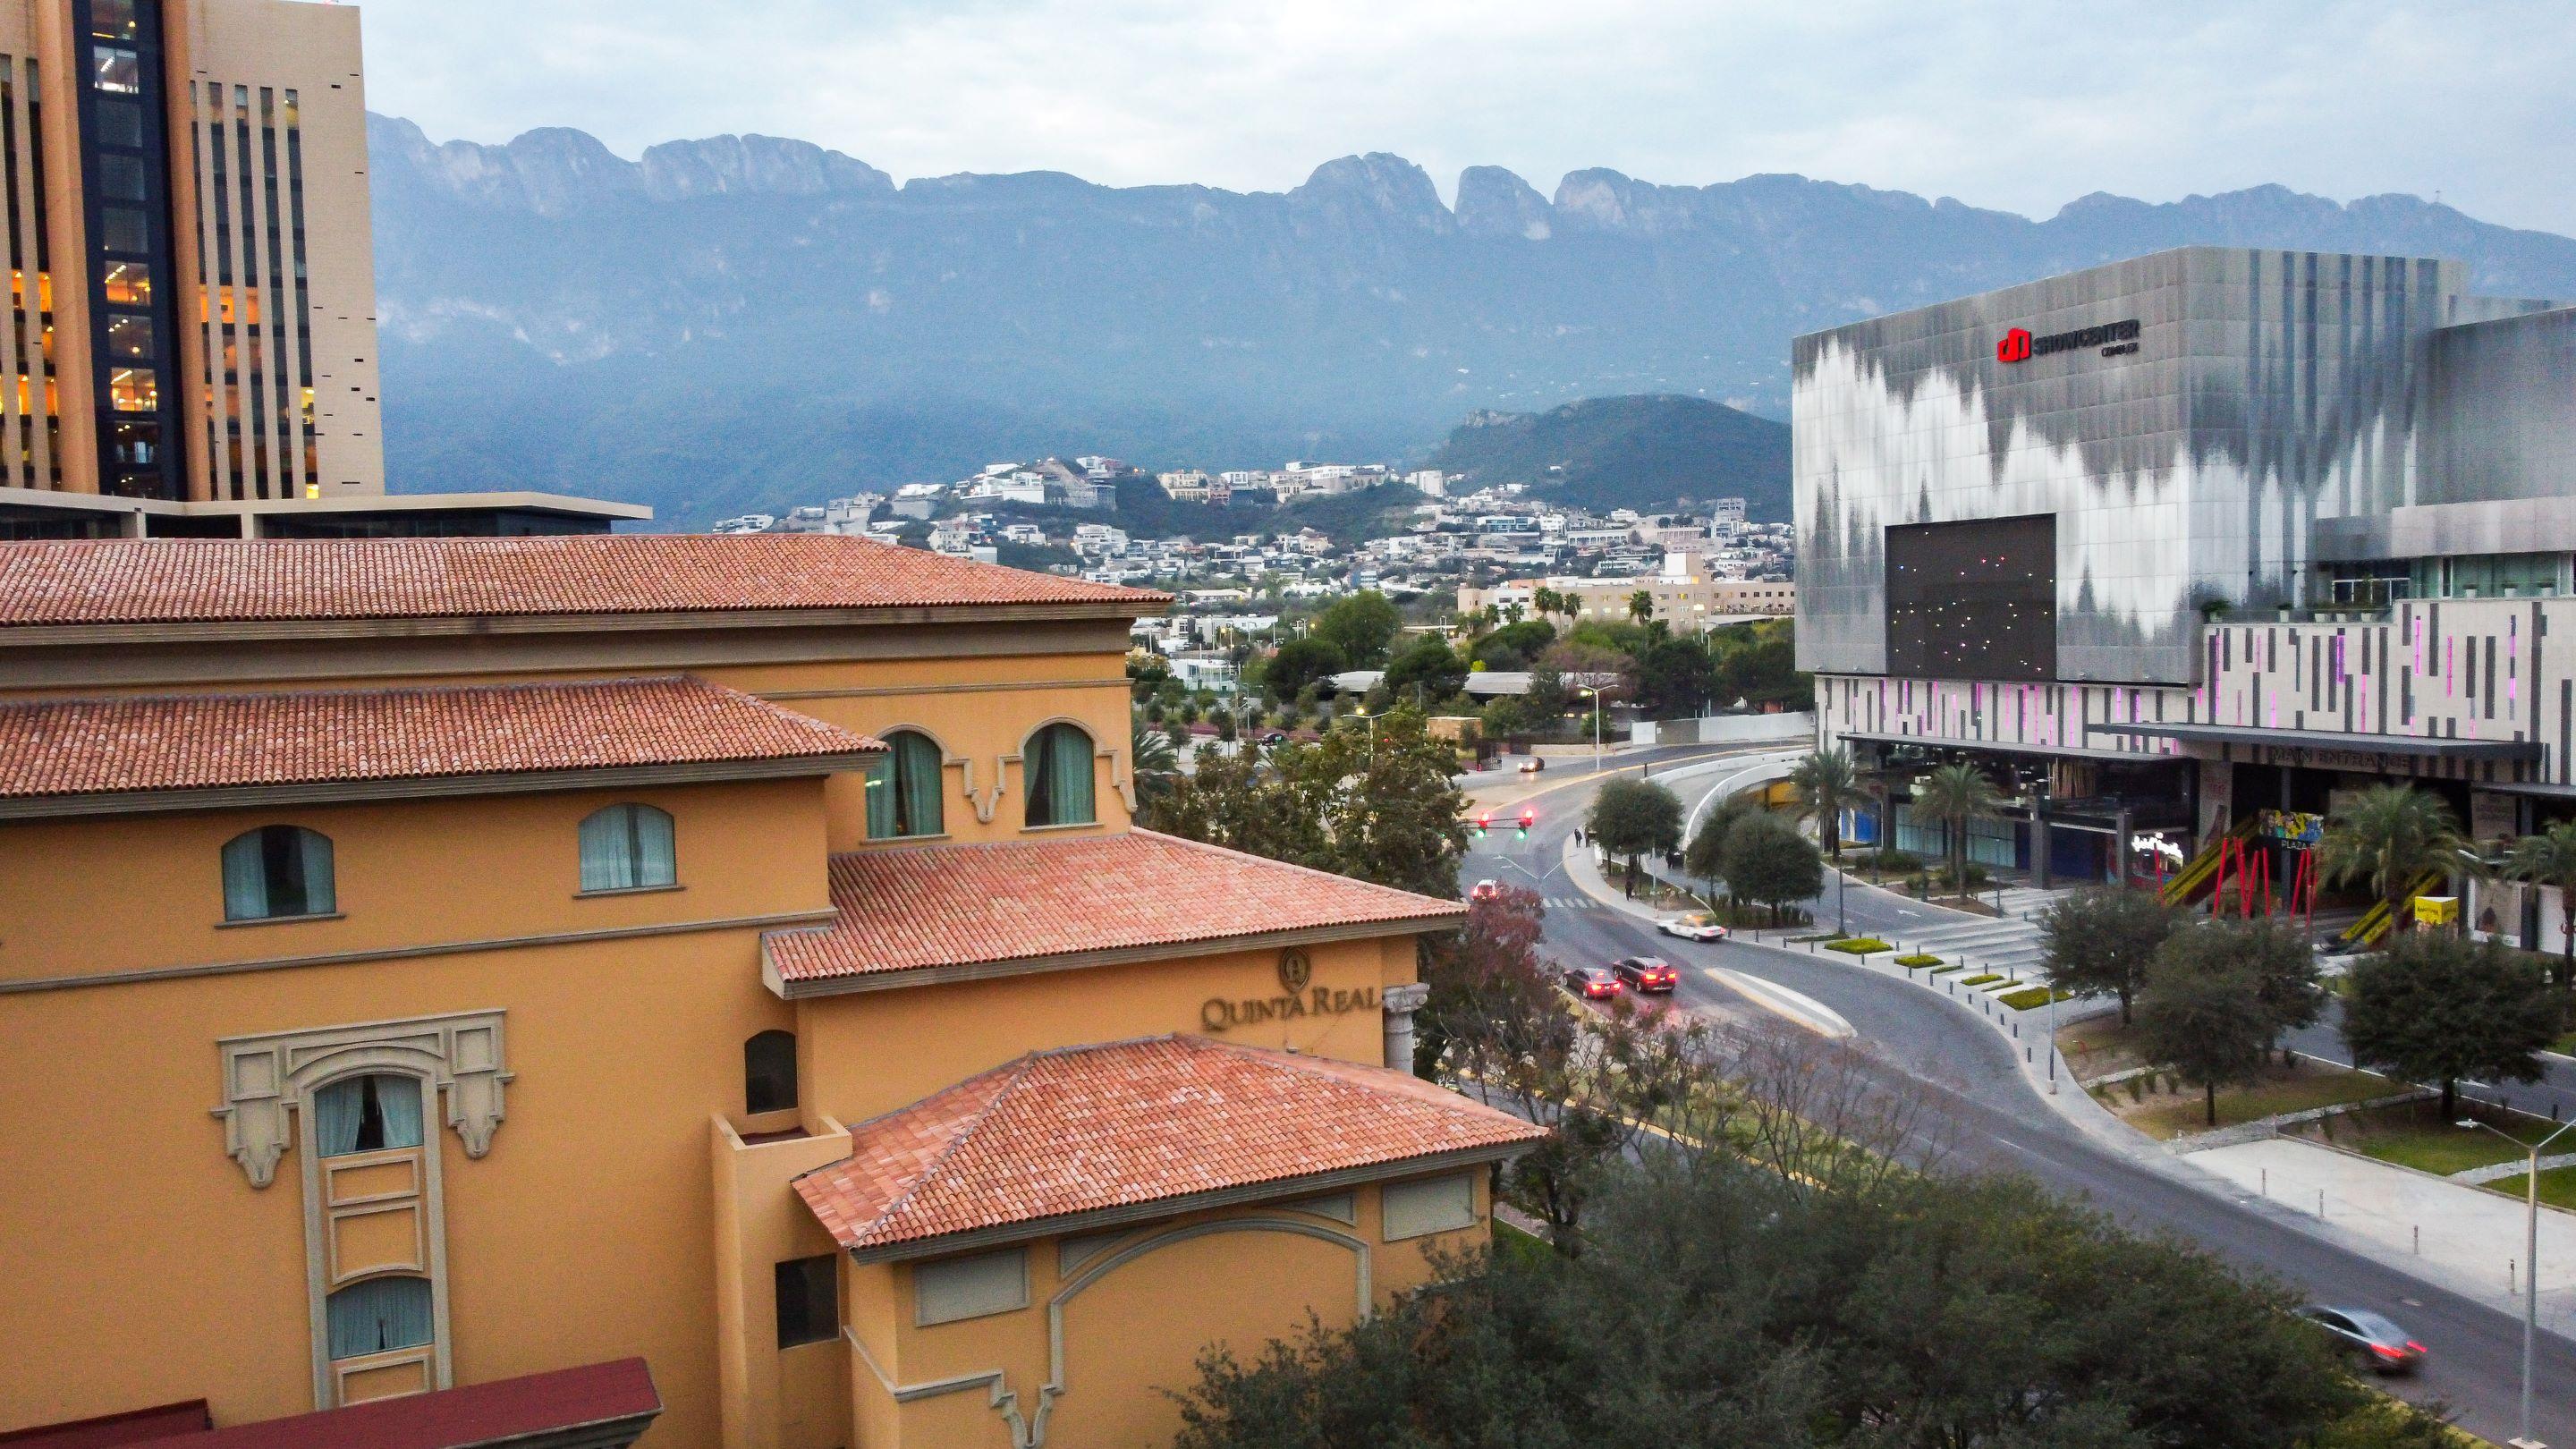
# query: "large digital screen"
[[1974, 600]]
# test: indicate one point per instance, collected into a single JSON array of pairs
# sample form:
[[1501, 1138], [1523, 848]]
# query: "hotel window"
[[1432, 1205], [129, 337], [626, 848], [376, 1113], [128, 284], [118, 69], [1056, 762], [278, 872], [123, 229], [960, 1288], [903, 788], [379, 1315], [809, 1300], [134, 389], [769, 1072]]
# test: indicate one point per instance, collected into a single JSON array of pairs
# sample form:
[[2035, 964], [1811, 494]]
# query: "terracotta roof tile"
[[614, 1401], [1128, 1123], [91, 581], [214, 741], [948, 905]]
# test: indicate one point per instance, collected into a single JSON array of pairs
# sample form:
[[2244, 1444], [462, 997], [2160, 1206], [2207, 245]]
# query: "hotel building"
[[2196, 544], [548, 991], [191, 340]]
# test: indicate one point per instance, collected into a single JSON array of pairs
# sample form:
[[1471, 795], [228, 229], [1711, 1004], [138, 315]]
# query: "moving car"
[[1646, 973], [1697, 926], [1533, 765], [1592, 983], [1485, 890], [2376, 1343]]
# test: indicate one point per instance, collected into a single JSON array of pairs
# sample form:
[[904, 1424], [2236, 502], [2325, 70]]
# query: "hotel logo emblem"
[[1295, 971]]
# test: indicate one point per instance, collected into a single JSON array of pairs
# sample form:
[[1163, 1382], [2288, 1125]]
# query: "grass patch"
[[1515, 1246], [1858, 945], [2557, 1187], [1819, 936], [2030, 996], [2414, 1135], [1919, 958], [2565, 1046], [1946, 970], [2177, 1113], [1987, 979]]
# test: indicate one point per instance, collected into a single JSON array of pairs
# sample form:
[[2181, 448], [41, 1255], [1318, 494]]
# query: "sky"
[[2020, 107]]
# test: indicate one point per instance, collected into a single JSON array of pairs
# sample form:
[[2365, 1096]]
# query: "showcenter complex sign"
[[2019, 346]]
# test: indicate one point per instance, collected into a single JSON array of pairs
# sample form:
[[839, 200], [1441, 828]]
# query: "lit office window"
[[118, 69], [133, 389], [112, 19], [129, 337], [129, 284]]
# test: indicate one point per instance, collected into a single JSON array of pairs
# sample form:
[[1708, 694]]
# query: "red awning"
[[599, 1406]]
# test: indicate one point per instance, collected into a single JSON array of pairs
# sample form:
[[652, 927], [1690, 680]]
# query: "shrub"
[[1919, 958], [1859, 945], [2028, 997], [1982, 979]]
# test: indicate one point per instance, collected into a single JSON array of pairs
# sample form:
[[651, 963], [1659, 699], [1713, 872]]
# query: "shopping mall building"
[[2206, 533]]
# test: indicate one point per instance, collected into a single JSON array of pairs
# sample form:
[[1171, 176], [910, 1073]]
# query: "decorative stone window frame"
[[265, 1075], [1121, 779]]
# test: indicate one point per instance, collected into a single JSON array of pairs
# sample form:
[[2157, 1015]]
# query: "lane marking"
[[1798, 1007]]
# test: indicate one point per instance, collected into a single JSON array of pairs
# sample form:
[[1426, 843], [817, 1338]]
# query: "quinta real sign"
[[1298, 996], [2114, 338]]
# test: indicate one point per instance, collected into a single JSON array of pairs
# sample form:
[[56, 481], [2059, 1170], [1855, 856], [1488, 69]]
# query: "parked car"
[[1592, 983], [1646, 973], [1697, 926], [1533, 765], [2373, 1341], [1485, 890]]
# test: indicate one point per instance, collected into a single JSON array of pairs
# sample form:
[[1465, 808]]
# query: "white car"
[[1699, 926]]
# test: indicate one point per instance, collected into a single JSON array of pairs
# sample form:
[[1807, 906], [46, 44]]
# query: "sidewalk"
[[2474, 1245]]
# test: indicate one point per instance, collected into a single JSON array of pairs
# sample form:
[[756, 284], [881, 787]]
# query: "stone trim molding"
[[910, 977], [267, 1074], [978, 687]]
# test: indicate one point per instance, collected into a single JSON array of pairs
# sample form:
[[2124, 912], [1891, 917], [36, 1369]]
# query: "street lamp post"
[[1595, 692], [2530, 1259]]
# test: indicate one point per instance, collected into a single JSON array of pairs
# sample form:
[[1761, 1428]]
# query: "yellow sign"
[[2437, 910]]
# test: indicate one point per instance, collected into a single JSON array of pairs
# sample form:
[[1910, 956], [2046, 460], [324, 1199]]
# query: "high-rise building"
[[192, 335]]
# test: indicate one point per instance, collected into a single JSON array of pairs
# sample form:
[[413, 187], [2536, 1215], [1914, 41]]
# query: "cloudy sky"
[[2021, 107]]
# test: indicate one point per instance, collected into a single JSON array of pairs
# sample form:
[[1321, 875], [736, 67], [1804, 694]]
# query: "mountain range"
[[748, 322]]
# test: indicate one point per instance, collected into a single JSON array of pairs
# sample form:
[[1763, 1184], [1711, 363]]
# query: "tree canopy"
[[2389, 836], [1768, 861], [1301, 662], [1827, 781], [1674, 679], [2435, 1007], [2203, 1011], [1429, 664], [1632, 818], [1360, 625], [2104, 940]]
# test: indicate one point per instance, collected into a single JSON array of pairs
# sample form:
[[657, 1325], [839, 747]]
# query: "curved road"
[[1996, 1121]]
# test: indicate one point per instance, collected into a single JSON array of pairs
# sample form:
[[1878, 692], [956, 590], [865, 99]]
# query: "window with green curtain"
[[903, 788], [278, 871], [379, 1315], [628, 847], [1057, 764]]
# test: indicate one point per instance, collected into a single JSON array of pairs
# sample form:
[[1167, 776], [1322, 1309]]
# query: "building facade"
[[2179, 539], [720, 975]]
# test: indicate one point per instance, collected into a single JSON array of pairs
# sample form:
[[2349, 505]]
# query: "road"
[[1969, 1078]]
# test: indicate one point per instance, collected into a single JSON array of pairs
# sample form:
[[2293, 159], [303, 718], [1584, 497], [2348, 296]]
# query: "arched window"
[[1056, 762], [378, 1315], [366, 1114], [278, 871], [903, 788], [769, 1072], [627, 847]]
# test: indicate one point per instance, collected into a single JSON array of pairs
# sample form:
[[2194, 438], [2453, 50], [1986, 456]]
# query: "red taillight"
[[2384, 1351], [2413, 1347]]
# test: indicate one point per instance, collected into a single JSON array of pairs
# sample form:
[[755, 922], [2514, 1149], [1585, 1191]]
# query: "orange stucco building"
[[709, 988]]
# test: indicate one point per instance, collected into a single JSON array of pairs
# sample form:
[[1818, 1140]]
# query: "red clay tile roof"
[[614, 1402], [1099, 1127], [215, 741], [953, 905], [135, 581]]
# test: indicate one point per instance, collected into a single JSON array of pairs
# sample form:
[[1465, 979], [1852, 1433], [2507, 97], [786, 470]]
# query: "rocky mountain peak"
[[1493, 201]]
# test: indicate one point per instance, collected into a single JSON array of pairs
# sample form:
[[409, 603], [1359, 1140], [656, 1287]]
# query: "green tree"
[[2435, 1007], [1674, 678], [1956, 795], [1705, 856], [2390, 836], [2202, 1012], [2104, 940], [1157, 763], [1513, 645], [2548, 858], [1361, 626], [1300, 663], [1716, 1306], [1827, 782], [1429, 664], [1632, 818], [1767, 860], [1548, 698], [2284, 966], [1641, 606]]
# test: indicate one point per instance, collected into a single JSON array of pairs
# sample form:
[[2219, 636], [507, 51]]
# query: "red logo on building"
[[2015, 347]]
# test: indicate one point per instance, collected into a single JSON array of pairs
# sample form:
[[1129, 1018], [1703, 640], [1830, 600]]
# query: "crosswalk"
[[2010, 945]]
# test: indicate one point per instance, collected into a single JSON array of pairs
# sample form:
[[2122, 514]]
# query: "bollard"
[[2321, 1204], [2267, 1182], [2025, 1056], [2419, 1240], [2016, 1026], [2509, 1278]]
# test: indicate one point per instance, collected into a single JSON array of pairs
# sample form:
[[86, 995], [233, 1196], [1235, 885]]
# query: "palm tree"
[[2389, 836], [2549, 859], [1955, 795], [1156, 763], [1827, 780], [1641, 606]]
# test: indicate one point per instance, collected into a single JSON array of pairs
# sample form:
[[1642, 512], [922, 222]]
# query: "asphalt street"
[[1995, 1121]]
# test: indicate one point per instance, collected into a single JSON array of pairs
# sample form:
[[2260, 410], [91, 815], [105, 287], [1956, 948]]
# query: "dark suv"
[[1646, 973]]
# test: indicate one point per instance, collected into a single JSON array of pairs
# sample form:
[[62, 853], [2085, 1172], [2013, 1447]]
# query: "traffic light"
[[1484, 822], [1528, 819]]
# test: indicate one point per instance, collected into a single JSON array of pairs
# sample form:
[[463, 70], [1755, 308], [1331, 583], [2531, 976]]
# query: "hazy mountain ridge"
[[1628, 452], [747, 322]]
